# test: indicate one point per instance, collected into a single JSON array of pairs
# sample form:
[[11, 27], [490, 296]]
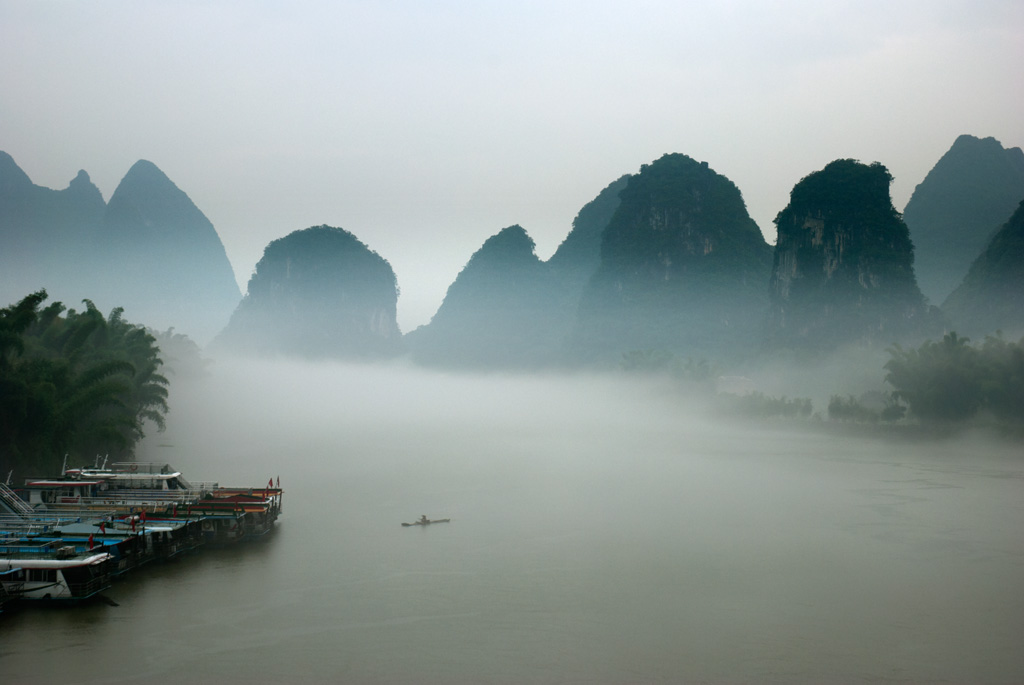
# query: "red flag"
[[103, 528], [90, 541], [142, 516], [279, 482], [133, 524]]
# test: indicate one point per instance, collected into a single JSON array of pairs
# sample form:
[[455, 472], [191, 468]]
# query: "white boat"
[[64, 576]]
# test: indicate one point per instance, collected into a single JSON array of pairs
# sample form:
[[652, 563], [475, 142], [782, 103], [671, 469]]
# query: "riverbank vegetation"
[[74, 385], [935, 387]]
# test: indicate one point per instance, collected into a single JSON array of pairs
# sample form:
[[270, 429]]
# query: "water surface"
[[601, 533]]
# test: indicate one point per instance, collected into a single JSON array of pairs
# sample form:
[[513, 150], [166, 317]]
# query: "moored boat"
[[62, 575], [64, 539]]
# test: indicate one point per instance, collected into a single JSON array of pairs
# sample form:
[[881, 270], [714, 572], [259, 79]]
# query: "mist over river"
[[601, 532]]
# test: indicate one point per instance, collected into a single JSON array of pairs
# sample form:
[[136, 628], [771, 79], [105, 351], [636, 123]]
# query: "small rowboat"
[[425, 523]]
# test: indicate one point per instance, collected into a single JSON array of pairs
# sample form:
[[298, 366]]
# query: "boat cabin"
[[42, 492], [133, 476]]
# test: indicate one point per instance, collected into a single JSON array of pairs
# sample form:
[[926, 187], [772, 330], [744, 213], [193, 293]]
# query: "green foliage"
[[849, 409], [74, 384], [683, 268], [953, 381], [871, 407], [844, 189], [693, 373], [681, 225], [761, 406], [181, 355], [843, 263]]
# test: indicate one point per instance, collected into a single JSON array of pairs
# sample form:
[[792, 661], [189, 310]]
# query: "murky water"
[[598, 535]]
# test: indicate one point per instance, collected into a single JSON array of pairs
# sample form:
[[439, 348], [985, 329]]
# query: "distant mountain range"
[[664, 261], [149, 250], [508, 308]]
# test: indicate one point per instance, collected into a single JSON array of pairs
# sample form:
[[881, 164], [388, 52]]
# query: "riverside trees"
[[74, 384], [952, 380]]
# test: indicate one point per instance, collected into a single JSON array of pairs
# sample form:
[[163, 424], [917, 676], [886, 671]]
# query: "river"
[[600, 533]]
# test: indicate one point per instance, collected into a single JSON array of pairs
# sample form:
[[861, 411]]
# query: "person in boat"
[[424, 519]]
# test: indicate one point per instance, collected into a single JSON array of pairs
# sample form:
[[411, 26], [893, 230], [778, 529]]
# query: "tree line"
[[74, 385], [949, 381], [952, 380]]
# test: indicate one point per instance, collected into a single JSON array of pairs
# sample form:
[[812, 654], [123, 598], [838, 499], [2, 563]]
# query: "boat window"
[[42, 575]]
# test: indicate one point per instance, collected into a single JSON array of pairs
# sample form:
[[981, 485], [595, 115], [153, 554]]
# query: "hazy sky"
[[426, 127]]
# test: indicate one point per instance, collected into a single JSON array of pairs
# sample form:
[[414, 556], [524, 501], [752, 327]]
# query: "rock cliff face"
[[47, 236], [843, 261], [683, 268], [991, 297], [953, 214], [166, 264], [507, 308], [318, 292]]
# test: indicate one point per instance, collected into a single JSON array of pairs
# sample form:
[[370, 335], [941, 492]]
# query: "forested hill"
[[47, 237], [579, 255], [954, 212], [507, 308], [991, 297], [318, 292], [843, 270], [497, 312], [683, 268], [170, 265]]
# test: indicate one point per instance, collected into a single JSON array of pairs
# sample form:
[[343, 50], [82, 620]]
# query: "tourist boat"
[[228, 514], [65, 538], [5, 597], [63, 575]]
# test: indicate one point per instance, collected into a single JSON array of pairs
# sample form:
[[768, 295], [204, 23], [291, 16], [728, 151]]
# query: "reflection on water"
[[597, 535]]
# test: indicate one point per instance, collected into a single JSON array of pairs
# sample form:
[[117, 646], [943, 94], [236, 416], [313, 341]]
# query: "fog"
[[604, 530]]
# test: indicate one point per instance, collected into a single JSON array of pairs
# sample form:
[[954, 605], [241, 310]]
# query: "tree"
[[74, 384], [953, 381]]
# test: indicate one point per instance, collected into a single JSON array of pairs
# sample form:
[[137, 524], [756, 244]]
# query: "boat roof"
[[47, 561], [132, 475]]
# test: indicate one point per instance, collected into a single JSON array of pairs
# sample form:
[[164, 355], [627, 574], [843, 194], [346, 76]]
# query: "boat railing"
[[14, 503], [143, 496], [138, 468], [44, 521], [15, 547], [16, 526]]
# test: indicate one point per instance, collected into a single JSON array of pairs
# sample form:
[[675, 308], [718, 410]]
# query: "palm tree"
[[77, 384]]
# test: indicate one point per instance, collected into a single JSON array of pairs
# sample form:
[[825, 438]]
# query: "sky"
[[426, 127]]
